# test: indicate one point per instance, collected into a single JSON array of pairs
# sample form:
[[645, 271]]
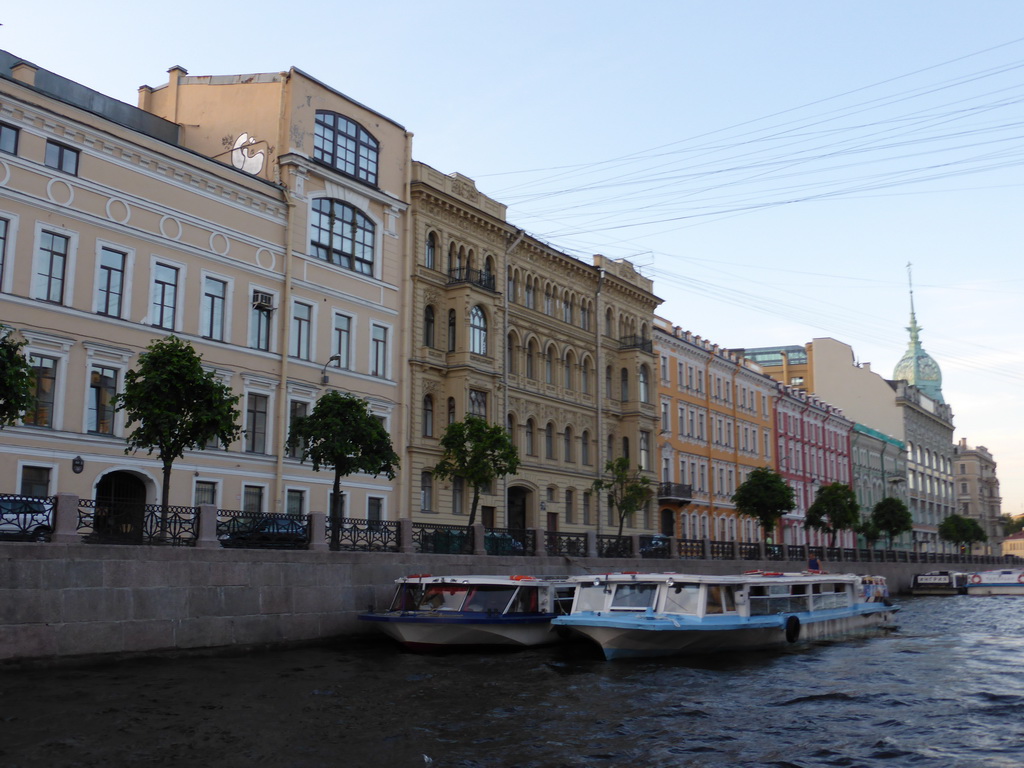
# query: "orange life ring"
[[1020, 578], [418, 576], [773, 573], [975, 579], [522, 578]]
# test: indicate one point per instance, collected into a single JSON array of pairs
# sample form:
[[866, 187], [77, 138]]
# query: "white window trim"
[[388, 352], [229, 298], [216, 481], [129, 266], [250, 319], [179, 293], [69, 267], [6, 274], [312, 328], [54, 473], [59, 348]]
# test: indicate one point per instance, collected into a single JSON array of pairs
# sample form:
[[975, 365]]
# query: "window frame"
[[358, 231], [11, 133], [93, 404], [161, 308], [61, 157], [209, 303], [43, 267], [104, 290], [356, 155]]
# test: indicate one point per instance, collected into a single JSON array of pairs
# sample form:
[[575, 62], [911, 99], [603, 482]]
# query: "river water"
[[945, 690]]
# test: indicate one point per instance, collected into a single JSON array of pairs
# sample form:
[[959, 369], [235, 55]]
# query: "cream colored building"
[[977, 493], [259, 217], [513, 330]]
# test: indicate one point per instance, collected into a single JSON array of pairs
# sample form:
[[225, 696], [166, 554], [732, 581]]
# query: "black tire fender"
[[792, 629]]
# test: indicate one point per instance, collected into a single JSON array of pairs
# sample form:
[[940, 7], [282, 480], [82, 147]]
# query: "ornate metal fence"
[[113, 521], [25, 518], [509, 541], [442, 539], [246, 530], [360, 535], [557, 544], [614, 546]]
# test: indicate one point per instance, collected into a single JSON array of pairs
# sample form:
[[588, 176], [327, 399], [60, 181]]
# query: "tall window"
[[645, 450], [164, 298], [295, 503], [549, 441], [529, 438], [343, 341], [531, 294], [205, 492], [586, 507], [8, 139], [345, 145], [428, 326], [570, 507], [426, 492], [302, 324], [645, 384], [585, 448], [451, 330], [428, 416], [51, 267], [342, 235], [451, 410], [62, 158], [44, 388], [478, 403], [214, 295], [567, 444], [259, 328], [624, 375], [297, 409], [458, 494], [375, 508], [379, 352], [252, 499], [102, 388], [477, 331], [256, 424], [110, 291], [4, 225], [430, 252]]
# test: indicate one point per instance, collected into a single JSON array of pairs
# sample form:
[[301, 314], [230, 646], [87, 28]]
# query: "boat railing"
[[769, 605]]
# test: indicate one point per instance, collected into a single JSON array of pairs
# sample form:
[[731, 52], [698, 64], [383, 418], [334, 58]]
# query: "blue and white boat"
[[1008, 581], [665, 614], [433, 612]]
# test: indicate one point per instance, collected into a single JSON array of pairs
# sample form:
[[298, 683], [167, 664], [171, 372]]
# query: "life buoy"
[[418, 576], [792, 629], [975, 579], [1020, 578], [522, 578], [773, 573]]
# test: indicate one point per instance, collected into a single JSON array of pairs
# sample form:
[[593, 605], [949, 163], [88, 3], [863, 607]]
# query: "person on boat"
[[813, 564]]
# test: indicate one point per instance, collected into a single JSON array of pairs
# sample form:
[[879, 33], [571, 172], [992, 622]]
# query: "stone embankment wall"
[[61, 601]]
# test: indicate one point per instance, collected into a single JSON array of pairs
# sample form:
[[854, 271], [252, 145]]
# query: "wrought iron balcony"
[[674, 493], [473, 276], [636, 342]]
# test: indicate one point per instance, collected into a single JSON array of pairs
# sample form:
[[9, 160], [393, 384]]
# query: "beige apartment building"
[[977, 493], [716, 410], [259, 217], [510, 329]]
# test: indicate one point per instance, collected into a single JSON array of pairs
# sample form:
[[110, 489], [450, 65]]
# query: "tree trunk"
[[164, 498], [472, 510], [336, 512]]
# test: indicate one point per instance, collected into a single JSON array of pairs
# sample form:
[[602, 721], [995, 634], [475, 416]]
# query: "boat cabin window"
[[526, 601], [720, 599], [770, 599], [830, 595], [591, 597], [682, 598], [407, 597], [633, 597], [444, 597], [490, 598]]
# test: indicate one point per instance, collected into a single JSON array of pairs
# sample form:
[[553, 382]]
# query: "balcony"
[[636, 342], [475, 277], [674, 493]]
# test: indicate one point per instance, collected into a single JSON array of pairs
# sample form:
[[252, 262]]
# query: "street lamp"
[[324, 378]]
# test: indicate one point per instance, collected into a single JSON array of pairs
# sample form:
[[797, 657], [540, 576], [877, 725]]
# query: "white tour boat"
[[664, 614], [939, 583], [430, 612], [1008, 581]]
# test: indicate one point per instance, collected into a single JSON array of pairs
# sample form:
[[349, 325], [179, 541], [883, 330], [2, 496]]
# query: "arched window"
[[567, 444], [609, 323], [585, 377], [549, 441], [477, 331], [510, 355], [428, 326], [585, 448], [430, 253], [625, 447], [428, 416], [549, 306], [531, 372], [531, 294], [567, 367], [426, 492], [608, 382], [342, 235], [549, 365], [451, 330], [345, 145], [624, 380], [566, 307], [529, 438], [645, 386]]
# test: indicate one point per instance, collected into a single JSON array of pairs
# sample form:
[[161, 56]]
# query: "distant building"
[[977, 493], [1014, 544]]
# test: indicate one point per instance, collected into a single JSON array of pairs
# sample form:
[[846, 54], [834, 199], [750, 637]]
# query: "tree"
[[1012, 524], [477, 452], [961, 531], [764, 496], [869, 531], [892, 518], [835, 509], [628, 490], [342, 433], [17, 379], [177, 406]]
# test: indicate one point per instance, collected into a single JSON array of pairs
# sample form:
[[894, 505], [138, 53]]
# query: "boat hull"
[[456, 629], [654, 636], [992, 583]]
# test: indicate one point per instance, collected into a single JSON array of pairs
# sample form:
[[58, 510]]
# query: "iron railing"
[[473, 276], [360, 535], [614, 546], [246, 530], [509, 541], [559, 544], [442, 539], [25, 518], [122, 521]]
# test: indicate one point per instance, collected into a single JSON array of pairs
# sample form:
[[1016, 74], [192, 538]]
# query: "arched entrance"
[[120, 508], [668, 522], [518, 503]]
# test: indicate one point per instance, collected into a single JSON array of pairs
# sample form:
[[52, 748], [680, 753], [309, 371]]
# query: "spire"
[[916, 366]]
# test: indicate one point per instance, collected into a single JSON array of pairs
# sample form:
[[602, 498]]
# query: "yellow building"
[[717, 415]]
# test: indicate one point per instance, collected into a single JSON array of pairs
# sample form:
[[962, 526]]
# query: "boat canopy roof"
[[751, 577]]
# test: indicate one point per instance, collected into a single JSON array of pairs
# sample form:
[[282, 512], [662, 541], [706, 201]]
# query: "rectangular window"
[[375, 508], [458, 486], [296, 410], [102, 388], [205, 492], [586, 508], [62, 158], [296, 502], [252, 499], [51, 267], [645, 450], [570, 508], [214, 295], [256, 424], [8, 139], [259, 328], [35, 482], [164, 299], [110, 291], [343, 341], [426, 492], [4, 227], [379, 352], [302, 323], [478, 403], [40, 413]]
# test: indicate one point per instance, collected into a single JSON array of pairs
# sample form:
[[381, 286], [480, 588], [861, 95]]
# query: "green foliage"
[[628, 490], [175, 404], [962, 531], [835, 509], [869, 531], [479, 453], [17, 379], [892, 518], [1012, 524], [764, 496]]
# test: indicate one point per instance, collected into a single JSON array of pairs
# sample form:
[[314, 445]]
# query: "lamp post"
[[324, 378]]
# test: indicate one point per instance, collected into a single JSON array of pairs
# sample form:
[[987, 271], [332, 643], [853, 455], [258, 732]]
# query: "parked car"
[[23, 518], [502, 544], [268, 533], [659, 545]]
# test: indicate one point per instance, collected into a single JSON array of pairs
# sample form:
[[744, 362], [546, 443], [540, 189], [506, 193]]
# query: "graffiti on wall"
[[244, 158]]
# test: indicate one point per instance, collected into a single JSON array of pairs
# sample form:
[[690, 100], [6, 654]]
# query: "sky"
[[773, 166]]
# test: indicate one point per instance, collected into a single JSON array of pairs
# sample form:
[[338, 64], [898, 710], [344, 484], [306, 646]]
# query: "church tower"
[[917, 367]]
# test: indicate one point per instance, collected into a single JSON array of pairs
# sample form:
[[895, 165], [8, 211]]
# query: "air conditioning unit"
[[262, 300]]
